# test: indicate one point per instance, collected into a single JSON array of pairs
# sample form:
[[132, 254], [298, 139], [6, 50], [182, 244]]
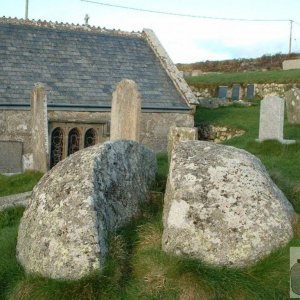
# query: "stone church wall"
[[15, 125]]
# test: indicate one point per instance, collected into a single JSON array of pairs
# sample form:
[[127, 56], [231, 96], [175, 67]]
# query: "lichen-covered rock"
[[180, 134], [222, 207], [64, 230], [292, 99]]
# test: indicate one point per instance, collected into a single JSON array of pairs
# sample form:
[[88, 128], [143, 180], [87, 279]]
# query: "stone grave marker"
[[39, 128], [235, 92], [125, 112], [292, 100], [272, 119], [222, 94], [250, 92]]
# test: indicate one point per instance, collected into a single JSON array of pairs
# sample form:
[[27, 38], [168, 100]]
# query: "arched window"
[[90, 137], [57, 146], [73, 141]]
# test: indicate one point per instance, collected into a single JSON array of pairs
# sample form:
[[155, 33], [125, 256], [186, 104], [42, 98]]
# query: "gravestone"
[[272, 119], [39, 128], [222, 94], [11, 157], [235, 92], [292, 100], [250, 92], [125, 112]]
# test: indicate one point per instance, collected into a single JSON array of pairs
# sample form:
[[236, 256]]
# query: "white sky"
[[185, 39]]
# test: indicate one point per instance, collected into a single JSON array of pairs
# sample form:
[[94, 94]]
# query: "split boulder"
[[64, 230], [222, 207]]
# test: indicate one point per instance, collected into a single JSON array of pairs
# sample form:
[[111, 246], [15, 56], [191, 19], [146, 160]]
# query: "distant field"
[[278, 76]]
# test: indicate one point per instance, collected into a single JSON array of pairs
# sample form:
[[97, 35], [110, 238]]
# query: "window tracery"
[[73, 141], [57, 146], [90, 137]]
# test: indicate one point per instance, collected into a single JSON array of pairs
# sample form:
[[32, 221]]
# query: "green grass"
[[137, 268], [18, 183], [277, 76]]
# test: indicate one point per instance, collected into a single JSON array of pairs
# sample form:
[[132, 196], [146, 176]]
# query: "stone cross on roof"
[[86, 19]]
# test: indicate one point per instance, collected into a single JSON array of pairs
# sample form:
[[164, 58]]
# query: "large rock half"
[[222, 207], [64, 230]]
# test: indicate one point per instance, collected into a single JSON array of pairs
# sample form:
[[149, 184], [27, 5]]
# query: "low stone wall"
[[217, 134], [261, 90], [275, 89], [291, 64]]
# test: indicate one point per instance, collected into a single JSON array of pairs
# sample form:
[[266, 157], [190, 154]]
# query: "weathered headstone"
[[125, 112], [11, 157], [39, 128], [250, 91], [292, 100], [222, 207], [180, 134], [235, 92], [65, 227], [222, 94], [272, 119]]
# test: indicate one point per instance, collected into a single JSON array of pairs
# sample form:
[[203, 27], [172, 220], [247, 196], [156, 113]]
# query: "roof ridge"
[[66, 26]]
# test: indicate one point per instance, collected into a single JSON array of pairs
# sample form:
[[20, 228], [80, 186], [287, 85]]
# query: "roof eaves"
[[170, 68]]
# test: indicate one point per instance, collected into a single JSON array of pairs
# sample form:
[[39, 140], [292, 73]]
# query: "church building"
[[79, 67]]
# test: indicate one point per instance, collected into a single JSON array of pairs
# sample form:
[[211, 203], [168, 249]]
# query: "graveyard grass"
[[18, 183], [138, 269]]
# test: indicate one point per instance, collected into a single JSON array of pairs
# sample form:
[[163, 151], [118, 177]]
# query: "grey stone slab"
[[222, 93], [250, 92], [11, 157], [236, 92]]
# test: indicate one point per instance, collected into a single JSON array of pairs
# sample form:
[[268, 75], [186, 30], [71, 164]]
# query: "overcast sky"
[[185, 39]]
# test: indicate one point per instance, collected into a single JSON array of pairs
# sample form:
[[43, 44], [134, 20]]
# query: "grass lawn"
[[138, 269], [277, 76], [18, 183]]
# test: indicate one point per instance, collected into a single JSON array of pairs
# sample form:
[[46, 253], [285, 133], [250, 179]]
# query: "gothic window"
[[73, 141], [90, 137], [57, 146]]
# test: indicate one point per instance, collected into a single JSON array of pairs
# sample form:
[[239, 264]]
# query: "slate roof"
[[80, 68]]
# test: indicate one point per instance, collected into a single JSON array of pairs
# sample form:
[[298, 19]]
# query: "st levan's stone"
[[222, 207], [64, 230]]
